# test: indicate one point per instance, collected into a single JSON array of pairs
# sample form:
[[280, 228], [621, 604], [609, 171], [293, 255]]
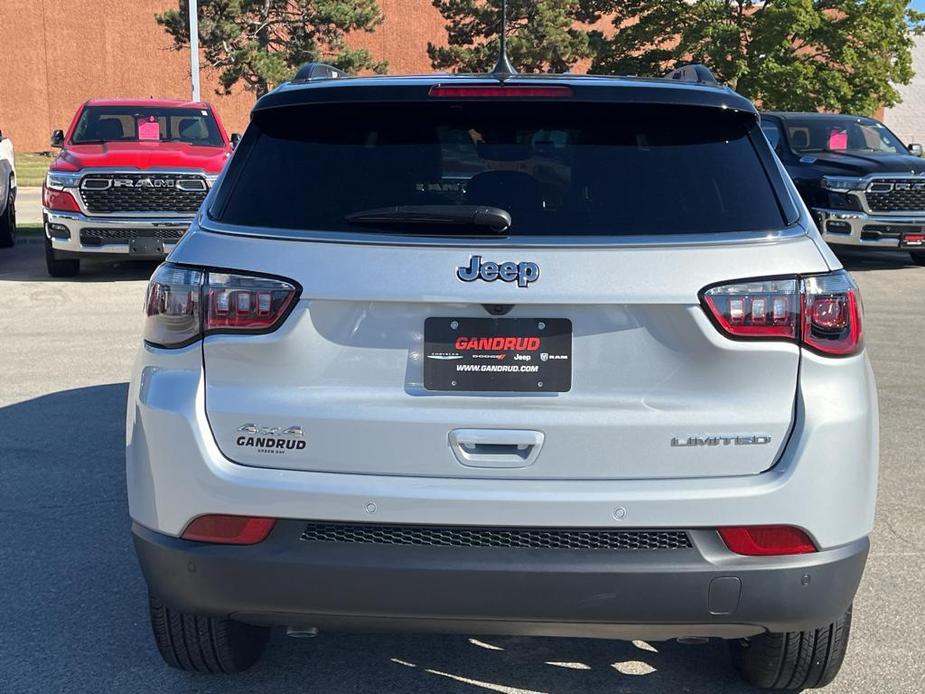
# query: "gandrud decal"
[[275, 439]]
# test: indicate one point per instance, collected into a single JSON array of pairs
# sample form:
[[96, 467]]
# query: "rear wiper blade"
[[493, 219]]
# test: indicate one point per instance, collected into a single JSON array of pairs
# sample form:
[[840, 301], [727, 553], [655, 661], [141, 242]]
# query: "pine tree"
[[543, 35], [263, 42]]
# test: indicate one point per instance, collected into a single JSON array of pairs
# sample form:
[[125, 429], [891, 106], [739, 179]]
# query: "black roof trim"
[[816, 114], [587, 88]]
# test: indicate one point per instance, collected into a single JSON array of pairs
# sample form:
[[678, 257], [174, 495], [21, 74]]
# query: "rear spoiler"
[[318, 83]]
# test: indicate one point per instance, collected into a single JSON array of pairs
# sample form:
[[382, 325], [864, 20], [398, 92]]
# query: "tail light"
[[242, 303], [831, 314], [767, 540], [229, 530], [183, 304], [819, 312]]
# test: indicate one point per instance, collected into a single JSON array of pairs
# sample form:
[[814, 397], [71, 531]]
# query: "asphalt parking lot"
[[72, 601]]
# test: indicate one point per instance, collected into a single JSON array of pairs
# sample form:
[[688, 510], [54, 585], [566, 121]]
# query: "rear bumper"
[[825, 481], [858, 229], [703, 591], [74, 234]]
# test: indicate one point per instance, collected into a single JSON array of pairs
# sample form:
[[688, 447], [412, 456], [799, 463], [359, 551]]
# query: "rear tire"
[[795, 660], [8, 221], [918, 257], [59, 267], [214, 645]]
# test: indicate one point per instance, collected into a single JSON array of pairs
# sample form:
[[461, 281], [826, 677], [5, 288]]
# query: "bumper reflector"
[[767, 540], [229, 530]]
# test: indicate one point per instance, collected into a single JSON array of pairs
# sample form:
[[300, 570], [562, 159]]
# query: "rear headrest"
[[497, 187], [514, 191]]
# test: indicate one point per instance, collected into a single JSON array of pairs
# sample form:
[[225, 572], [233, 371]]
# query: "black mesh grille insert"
[[94, 236], [906, 196], [533, 538], [142, 192]]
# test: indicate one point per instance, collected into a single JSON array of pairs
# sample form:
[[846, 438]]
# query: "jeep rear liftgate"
[[650, 388], [470, 314]]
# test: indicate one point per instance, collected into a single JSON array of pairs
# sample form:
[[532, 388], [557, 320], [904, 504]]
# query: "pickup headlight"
[[843, 184], [59, 180]]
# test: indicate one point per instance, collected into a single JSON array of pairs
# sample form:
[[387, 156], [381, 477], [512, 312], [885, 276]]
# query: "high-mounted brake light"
[[229, 530], [767, 540], [515, 91], [183, 304], [820, 312]]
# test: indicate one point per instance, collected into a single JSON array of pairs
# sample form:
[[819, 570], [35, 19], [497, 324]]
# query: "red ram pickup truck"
[[130, 178]]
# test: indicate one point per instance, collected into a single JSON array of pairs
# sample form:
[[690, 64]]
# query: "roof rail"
[[695, 72], [317, 71]]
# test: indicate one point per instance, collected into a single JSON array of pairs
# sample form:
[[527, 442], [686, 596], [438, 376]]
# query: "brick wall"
[[59, 53], [908, 118]]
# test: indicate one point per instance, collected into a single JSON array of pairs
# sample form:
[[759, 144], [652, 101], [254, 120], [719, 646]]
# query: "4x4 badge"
[[294, 431], [522, 273]]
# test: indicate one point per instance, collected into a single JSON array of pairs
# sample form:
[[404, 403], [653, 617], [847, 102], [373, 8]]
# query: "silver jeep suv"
[[547, 355]]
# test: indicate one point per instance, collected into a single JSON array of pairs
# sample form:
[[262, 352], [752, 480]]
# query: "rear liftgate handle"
[[498, 448]]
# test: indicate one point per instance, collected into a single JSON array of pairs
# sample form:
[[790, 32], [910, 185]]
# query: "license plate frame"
[[523, 355], [146, 245], [919, 241]]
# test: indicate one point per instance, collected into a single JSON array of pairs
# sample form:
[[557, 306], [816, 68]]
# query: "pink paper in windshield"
[[838, 140], [149, 129]]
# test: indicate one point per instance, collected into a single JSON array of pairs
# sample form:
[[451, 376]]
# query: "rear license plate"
[[913, 240], [498, 354], [146, 245]]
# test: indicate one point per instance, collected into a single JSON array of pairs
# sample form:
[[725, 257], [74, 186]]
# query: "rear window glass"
[[556, 168]]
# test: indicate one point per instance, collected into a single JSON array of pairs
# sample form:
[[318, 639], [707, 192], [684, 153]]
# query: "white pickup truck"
[[7, 193]]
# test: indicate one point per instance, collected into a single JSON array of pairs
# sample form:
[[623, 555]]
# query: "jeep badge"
[[522, 273]]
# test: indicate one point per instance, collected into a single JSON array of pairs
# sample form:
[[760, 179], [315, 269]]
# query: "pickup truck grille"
[[533, 538], [896, 195], [143, 192]]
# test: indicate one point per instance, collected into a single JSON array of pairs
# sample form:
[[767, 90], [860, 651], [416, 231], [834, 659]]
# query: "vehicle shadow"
[[25, 262], [865, 260], [74, 602]]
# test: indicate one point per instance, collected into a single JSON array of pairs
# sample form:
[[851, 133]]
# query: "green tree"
[[838, 55], [542, 35], [263, 42]]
